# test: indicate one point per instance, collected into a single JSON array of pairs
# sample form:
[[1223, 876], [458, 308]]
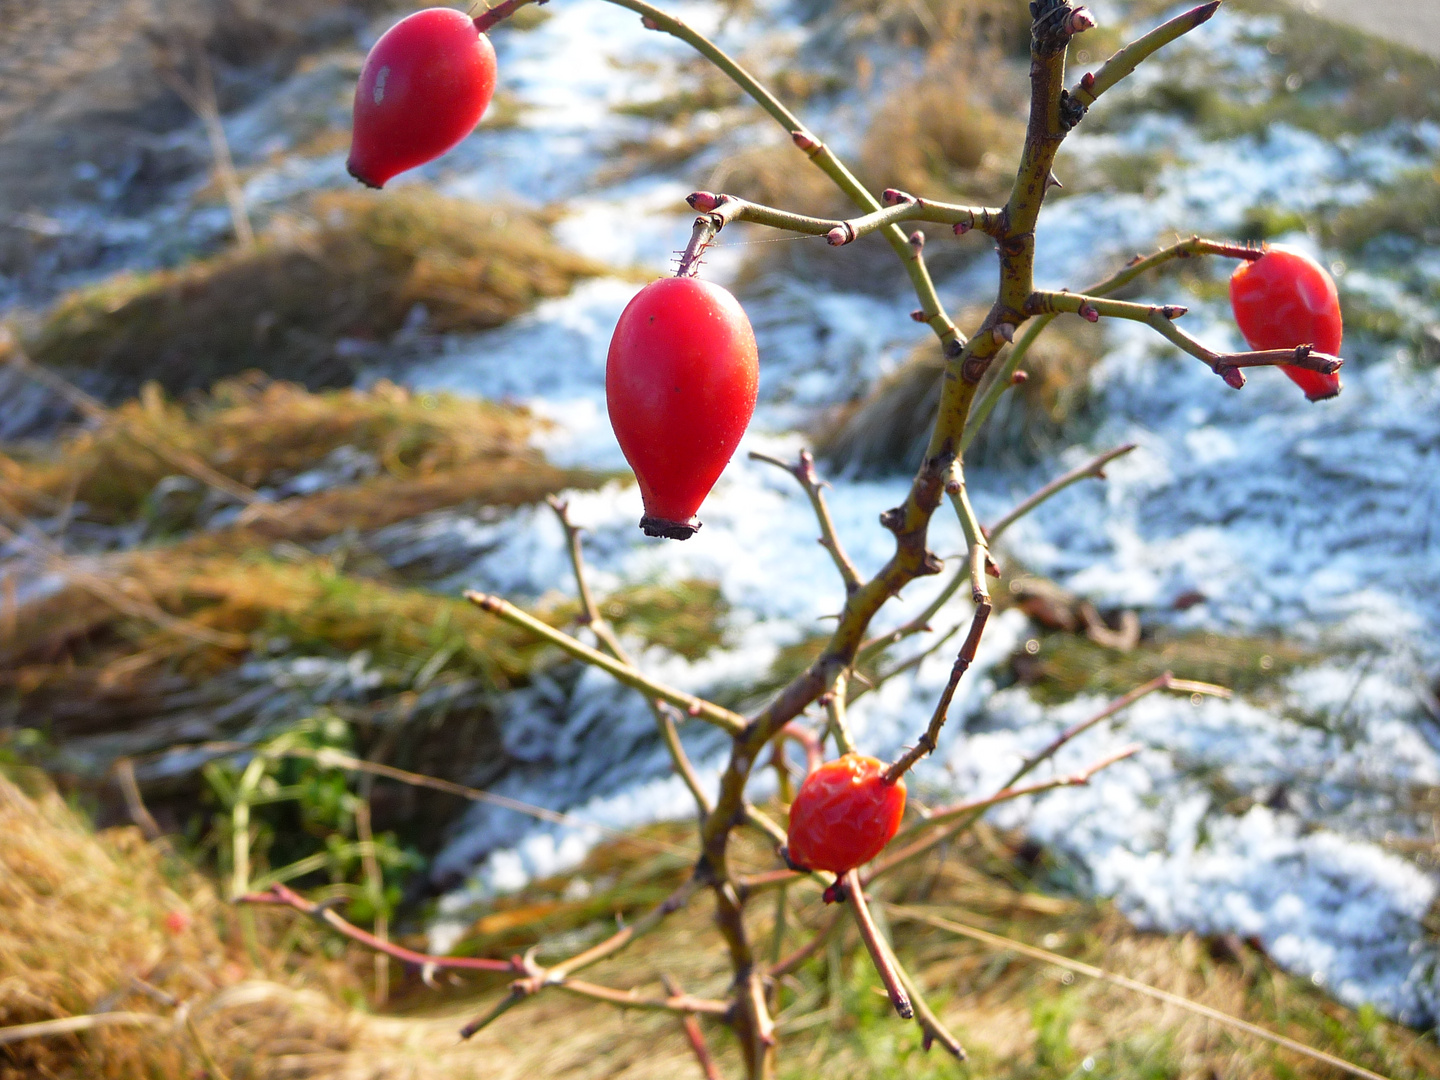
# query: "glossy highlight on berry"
[[844, 814], [424, 87], [1284, 299], [681, 380]]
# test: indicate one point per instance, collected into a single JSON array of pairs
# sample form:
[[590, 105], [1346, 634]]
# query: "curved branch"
[[1132, 55]]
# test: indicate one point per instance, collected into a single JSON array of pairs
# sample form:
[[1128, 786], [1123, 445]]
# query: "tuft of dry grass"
[[352, 270], [96, 923], [885, 430], [428, 451], [261, 433]]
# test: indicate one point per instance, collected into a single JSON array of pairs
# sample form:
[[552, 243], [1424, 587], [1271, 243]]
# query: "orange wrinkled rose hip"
[[844, 814]]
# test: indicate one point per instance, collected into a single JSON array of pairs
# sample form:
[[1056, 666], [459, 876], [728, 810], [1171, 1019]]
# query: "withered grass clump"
[[107, 923], [354, 268], [886, 430], [952, 132], [260, 433]]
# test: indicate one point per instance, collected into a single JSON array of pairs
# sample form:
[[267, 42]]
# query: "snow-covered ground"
[[1321, 523]]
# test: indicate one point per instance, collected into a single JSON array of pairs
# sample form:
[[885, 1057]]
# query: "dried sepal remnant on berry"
[[423, 88], [1285, 299], [844, 814]]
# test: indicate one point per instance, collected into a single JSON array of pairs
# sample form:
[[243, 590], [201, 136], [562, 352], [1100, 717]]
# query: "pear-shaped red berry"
[[680, 385], [1284, 299], [844, 814], [423, 88]]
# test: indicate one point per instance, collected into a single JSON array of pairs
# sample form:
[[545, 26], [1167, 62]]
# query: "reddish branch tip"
[[918, 315], [1088, 313], [841, 235], [894, 197], [961, 228], [1018, 378], [1233, 377], [1081, 19], [804, 142], [952, 487], [693, 708], [649, 23], [1173, 311], [704, 201], [1087, 81], [917, 240]]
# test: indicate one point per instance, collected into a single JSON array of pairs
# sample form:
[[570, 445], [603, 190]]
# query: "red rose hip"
[[1284, 299], [844, 814], [680, 386], [423, 88]]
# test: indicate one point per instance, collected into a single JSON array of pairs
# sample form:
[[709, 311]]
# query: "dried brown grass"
[[88, 922], [432, 450], [354, 267]]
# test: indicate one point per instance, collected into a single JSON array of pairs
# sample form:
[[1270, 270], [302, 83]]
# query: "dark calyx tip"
[[350, 168], [1325, 396], [670, 530]]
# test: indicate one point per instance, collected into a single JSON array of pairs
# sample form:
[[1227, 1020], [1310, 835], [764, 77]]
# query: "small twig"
[[878, 947], [834, 701], [537, 978], [1167, 681], [284, 896], [201, 99], [69, 1025], [839, 232], [928, 741], [1185, 249], [1010, 945], [693, 1035], [1132, 55], [907, 664], [809, 949], [206, 1058], [932, 1029], [708, 711], [804, 472], [610, 641], [1094, 467], [975, 807], [1162, 318], [375, 887], [135, 803], [328, 757]]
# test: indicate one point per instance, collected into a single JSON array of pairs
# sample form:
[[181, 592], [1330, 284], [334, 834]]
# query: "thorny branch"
[[1054, 112]]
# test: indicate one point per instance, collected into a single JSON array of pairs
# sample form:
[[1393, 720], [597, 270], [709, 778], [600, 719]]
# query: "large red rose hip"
[[423, 88], [1284, 299], [680, 385], [844, 814]]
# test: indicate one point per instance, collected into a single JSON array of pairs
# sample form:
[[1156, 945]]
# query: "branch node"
[[931, 564], [919, 315], [806, 142], [1003, 332], [893, 519], [1089, 313]]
